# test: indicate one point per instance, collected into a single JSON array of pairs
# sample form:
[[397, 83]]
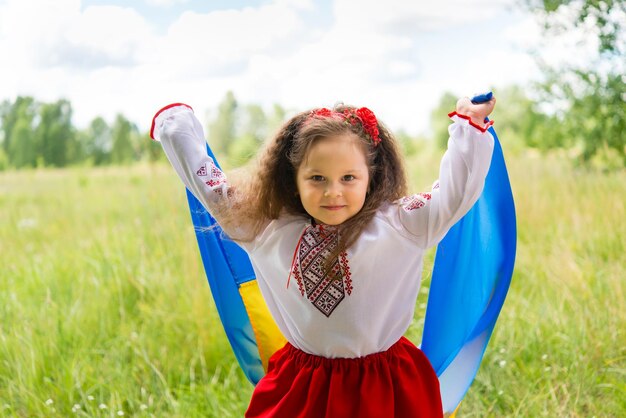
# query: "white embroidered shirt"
[[371, 304]]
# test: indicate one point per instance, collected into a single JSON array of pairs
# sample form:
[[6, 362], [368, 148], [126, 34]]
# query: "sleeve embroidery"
[[415, 201], [217, 178]]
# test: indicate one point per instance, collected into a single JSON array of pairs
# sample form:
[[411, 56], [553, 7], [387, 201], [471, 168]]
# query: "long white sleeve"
[[182, 137], [464, 166]]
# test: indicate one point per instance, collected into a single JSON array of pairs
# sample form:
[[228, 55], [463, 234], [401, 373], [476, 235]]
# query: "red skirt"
[[399, 382]]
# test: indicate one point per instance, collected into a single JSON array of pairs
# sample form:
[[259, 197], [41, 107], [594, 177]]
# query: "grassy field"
[[105, 311]]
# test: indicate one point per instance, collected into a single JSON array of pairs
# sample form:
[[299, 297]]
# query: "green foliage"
[[24, 108], [410, 146], [438, 122], [54, 133], [242, 150], [122, 133], [222, 131], [521, 124], [22, 147], [596, 117], [276, 120], [4, 160], [605, 15], [97, 141], [237, 132], [149, 148], [589, 100], [34, 134], [254, 122]]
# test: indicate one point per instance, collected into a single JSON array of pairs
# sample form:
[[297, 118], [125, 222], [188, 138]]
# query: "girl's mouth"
[[334, 207]]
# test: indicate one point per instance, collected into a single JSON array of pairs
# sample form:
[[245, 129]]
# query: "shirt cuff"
[[163, 114], [457, 117]]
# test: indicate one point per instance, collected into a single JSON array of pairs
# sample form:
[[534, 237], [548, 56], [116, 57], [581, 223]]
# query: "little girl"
[[337, 247]]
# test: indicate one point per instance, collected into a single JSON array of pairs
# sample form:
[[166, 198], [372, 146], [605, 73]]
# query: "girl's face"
[[333, 179]]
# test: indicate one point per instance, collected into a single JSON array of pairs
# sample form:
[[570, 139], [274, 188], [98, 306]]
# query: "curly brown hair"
[[272, 190]]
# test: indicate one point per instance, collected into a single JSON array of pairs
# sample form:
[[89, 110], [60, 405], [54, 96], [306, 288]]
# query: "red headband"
[[362, 115]]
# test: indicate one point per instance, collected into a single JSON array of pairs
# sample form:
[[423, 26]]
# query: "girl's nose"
[[333, 191]]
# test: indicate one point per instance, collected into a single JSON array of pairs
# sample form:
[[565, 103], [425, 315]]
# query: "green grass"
[[104, 306]]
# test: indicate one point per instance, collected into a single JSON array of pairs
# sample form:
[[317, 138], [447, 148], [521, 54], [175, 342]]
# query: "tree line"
[[35, 134], [38, 134]]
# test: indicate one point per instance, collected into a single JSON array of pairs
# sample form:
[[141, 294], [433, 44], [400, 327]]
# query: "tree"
[[122, 151], [275, 120], [24, 109], [222, 131], [22, 146], [438, 119], [253, 132], [97, 141], [55, 133], [254, 122], [521, 123], [408, 144], [588, 99]]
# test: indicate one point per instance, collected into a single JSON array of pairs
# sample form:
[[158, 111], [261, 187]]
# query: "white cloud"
[[165, 2], [410, 17], [221, 42], [109, 59]]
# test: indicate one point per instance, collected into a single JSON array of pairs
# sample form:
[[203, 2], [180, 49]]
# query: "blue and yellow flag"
[[471, 277]]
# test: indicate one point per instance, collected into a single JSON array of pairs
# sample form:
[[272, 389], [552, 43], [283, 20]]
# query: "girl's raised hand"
[[476, 111]]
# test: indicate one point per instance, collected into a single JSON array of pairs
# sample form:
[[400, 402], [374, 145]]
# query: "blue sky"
[[164, 13], [396, 57]]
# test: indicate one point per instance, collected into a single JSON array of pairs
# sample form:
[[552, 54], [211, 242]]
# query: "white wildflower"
[[502, 363], [26, 223], [49, 402], [102, 406]]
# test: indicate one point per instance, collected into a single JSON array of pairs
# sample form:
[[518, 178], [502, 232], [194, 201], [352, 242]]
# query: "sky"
[[396, 57]]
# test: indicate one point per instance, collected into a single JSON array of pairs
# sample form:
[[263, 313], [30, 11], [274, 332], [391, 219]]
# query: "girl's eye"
[[348, 177], [317, 178]]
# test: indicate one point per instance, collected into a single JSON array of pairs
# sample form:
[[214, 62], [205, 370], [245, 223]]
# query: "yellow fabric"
[[268, 337], [453, 415]]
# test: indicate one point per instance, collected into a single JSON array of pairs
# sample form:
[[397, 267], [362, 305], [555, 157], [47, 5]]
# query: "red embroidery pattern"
[[229, 192], [296, 274], [324, 291], [416, 201], [347, 275], [215, 182], [216, 172], [216, 178]]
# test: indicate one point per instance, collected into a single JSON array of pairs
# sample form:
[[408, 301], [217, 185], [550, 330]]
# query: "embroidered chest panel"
[[324, 291]]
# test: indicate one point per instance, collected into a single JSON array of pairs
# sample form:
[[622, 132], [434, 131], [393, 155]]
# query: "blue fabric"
[[227, 265], [471, 277], [482, 98]]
